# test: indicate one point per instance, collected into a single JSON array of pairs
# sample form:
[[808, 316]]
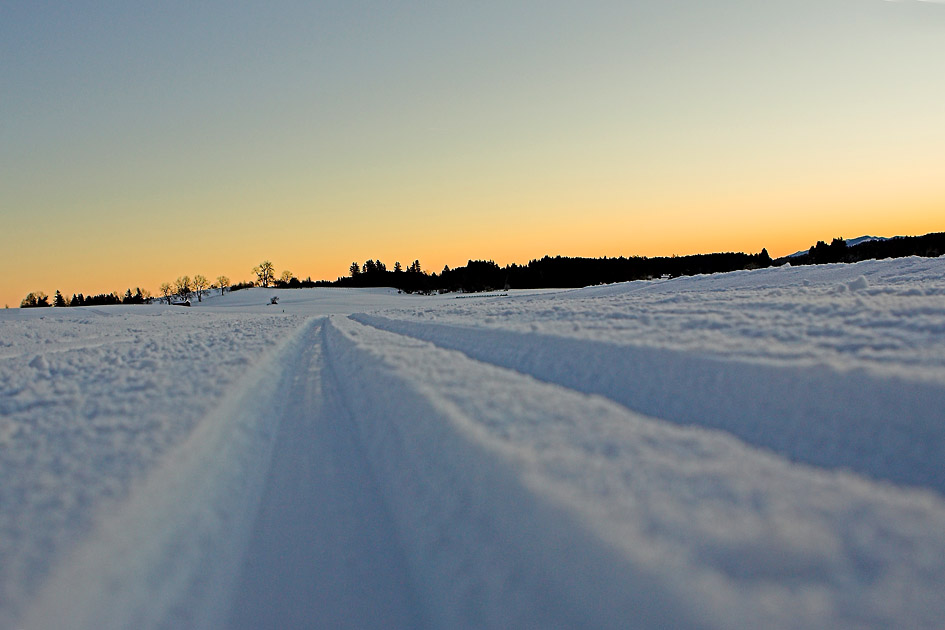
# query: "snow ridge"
[[617, 518], [485, 550], [885, 427], [168, 557], [91, 400]]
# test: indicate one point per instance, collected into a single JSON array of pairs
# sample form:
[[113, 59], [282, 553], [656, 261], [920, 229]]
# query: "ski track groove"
[[487, 550], [378, 527], [323, 552], [382, 501], [879, 426]]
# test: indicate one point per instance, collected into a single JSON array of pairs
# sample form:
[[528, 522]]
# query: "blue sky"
[[187, 138]]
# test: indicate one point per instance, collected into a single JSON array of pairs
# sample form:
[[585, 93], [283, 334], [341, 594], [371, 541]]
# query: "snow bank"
[[484, 550], [527, 504], [170, 555], [90, 401], [755, 449], [883, 426]]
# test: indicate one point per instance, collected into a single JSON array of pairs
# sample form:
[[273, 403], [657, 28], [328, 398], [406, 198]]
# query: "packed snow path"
[[324, 551], [486, 463]]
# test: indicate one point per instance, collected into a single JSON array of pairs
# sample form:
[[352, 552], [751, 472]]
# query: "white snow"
[[754, 449]]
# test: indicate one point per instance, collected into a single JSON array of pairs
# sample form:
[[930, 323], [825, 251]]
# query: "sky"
[[142, 141]]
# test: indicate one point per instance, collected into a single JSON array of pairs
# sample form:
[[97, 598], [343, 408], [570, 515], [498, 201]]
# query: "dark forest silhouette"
[[567, 272], [927, 246], [547, 272], [40, 299]]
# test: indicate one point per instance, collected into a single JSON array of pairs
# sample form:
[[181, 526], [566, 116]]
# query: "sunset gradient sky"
[[141, 141]]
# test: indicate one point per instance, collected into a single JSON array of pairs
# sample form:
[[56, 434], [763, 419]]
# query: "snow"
[[753, 449]]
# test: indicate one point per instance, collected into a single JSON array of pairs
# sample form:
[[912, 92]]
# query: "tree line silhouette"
[[838, 251], [567, 272], [39, 299], [547, 272], [542, 273]]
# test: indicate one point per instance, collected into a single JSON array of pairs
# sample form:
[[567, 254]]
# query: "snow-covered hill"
[[754, 449]]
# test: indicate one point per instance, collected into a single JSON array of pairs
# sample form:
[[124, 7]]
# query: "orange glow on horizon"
[[326, 252]]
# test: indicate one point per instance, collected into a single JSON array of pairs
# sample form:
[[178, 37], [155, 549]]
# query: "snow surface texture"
[[754, 449]]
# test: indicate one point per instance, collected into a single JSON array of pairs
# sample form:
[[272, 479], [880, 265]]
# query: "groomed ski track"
[[365, 478]]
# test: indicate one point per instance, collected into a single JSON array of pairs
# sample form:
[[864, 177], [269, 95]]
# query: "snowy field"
[[759, 449]]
